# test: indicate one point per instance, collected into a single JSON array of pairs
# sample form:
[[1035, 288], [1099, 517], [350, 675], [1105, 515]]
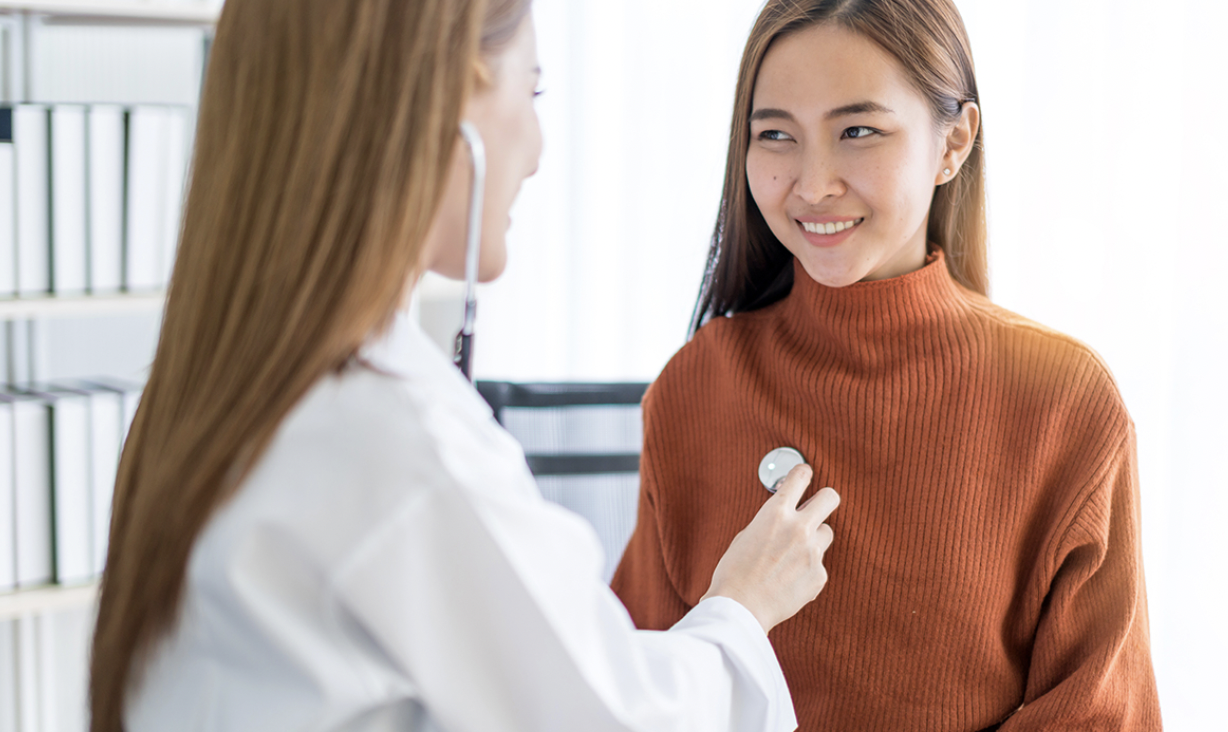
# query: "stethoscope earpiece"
[[776, 465]]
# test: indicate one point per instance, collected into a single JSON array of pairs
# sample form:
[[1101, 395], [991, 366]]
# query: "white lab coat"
[[390, 564]]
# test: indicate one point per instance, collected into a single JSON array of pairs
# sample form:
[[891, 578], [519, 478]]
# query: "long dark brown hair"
[[748, 268], [325, 134]]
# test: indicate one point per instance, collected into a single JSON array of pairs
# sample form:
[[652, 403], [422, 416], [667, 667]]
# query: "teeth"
[[831, 228]]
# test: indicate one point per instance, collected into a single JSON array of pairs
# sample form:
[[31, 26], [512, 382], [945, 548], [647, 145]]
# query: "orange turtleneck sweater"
[[986, 568]]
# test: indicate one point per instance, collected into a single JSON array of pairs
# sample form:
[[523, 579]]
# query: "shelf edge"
[[83, 306], [114, 11], [24, 603]]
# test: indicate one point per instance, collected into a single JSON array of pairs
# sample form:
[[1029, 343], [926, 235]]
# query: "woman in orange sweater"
[[987, 573]]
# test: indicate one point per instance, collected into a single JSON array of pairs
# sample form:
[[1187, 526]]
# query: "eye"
[[774, 136], [538, 92], [857, 133]]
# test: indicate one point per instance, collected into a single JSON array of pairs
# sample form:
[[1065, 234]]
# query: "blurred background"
[[1107, 164]]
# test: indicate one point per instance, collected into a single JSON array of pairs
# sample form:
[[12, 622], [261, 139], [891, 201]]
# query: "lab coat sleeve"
[[494, 607], [1091, 661]]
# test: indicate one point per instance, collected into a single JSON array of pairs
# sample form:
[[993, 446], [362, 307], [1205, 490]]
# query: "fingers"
[[793, 486], [820, 506], [825, 536]]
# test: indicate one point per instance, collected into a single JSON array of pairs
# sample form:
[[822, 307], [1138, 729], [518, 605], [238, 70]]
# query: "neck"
[[875, 320]]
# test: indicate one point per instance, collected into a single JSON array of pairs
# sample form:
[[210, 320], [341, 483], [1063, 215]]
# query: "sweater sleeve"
[[1091, 662], [641, 580]]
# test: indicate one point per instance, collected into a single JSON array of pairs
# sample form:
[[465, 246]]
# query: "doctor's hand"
[[774, 566]]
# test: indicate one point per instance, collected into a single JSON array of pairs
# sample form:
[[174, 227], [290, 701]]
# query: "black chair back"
[[582, 441]]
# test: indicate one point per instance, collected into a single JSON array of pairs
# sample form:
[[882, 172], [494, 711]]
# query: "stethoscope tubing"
[[463, 357]]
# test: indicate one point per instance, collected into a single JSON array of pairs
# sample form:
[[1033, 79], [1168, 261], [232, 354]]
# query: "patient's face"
[[841, 142]]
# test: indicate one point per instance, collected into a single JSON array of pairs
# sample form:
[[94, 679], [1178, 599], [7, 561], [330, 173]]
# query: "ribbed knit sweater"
[[986, 568]]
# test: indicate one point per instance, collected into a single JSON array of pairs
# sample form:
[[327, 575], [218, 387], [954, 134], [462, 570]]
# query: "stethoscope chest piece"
[[777, 464]]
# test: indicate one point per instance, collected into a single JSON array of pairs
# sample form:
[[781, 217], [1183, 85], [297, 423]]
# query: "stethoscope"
[[774, 466], [463, 354]]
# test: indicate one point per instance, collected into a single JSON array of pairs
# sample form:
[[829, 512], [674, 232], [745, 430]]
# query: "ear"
[[959, 142], [483, 73]]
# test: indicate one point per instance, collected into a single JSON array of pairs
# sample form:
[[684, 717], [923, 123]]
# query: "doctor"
[[307, 536]]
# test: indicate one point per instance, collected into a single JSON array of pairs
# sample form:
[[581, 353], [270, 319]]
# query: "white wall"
[[1107, 177], [611, 235], [1108, 169]]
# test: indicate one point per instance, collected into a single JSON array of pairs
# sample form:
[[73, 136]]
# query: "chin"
[[833, 276], [492, 268]]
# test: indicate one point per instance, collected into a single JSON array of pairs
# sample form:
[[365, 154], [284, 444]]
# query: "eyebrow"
[[845, 111]]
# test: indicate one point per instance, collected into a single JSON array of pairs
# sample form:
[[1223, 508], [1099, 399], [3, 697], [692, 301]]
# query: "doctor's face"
[[502, 110], [844, 156]]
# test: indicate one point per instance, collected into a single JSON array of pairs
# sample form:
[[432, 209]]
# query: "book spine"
[[146, 192], [176, 123], [106, 198], [69, 228], [8, 676], [8, 502], [106, 434], [28, 707], [46, 682], [31, 457], [71, 489], [8, 220], [30, 132]]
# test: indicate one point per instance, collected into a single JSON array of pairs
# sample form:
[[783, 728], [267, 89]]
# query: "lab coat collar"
[[406, 352]]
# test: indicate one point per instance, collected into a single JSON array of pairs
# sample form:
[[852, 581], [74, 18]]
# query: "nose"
[[819, 177]]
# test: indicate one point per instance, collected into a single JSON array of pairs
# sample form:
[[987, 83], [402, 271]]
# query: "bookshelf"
[[19, 21]]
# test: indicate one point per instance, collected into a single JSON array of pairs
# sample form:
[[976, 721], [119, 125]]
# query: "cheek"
[[533, 140], [892, 184], [769, 180], [513, 155]]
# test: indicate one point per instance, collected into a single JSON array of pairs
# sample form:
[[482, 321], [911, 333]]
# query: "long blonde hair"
[[325, 134], [748, 268]]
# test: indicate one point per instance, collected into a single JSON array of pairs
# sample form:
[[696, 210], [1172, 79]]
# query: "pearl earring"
[[946, 171]]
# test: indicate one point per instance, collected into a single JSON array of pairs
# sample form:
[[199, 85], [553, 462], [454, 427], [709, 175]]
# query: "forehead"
[[824, 67]]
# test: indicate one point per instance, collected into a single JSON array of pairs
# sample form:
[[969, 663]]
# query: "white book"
[[8, 224], [132, 400], [8, 676], [177, 121], [47, 679], [146, 187], [69, 229], [28, 677], [30, 124], [131, 393], [68, 659], [106, 198], [8, 499], [32, 463], [106, 435], [70, 485]]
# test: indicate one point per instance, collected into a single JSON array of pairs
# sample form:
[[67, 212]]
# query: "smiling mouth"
[[833, 227]]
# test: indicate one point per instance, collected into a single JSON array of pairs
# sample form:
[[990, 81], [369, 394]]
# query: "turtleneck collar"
[[873, 319]]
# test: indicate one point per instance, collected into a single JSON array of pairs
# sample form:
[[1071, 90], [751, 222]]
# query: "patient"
[[987, 572]]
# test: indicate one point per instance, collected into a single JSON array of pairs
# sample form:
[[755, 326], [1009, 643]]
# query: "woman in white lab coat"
[[309, 536]]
